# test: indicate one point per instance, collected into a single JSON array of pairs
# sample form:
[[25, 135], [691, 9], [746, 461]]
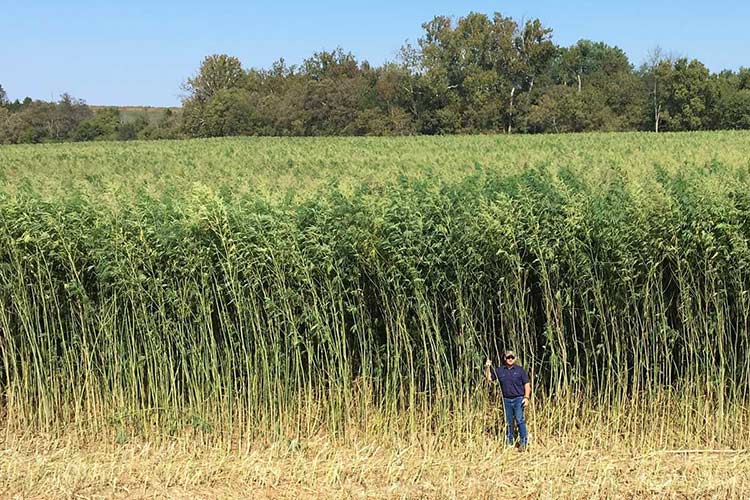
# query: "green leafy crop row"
[[259, 311]]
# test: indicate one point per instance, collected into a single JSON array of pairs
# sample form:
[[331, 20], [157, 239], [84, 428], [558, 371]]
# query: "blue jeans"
[[514, 414]]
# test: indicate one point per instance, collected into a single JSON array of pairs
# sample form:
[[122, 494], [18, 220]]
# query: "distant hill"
[[129, 114]]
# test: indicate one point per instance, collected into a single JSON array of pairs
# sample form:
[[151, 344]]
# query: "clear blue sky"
[[138, 52]]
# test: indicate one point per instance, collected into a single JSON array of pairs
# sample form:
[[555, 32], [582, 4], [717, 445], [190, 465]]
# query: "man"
[[516, 389]]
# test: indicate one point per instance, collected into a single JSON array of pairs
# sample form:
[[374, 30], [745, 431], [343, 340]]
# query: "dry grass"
[[35, 467]]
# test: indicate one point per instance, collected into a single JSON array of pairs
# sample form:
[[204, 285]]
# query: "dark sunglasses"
[[510, 357]]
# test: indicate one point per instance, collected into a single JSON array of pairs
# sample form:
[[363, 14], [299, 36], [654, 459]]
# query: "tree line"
[[477, 74], [71, 119]]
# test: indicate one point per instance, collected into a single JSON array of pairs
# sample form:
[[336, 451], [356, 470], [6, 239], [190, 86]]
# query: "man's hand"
[[488, 370], [525, 402]]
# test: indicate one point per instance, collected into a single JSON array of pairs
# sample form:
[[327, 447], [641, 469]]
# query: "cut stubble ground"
[[39, 467]]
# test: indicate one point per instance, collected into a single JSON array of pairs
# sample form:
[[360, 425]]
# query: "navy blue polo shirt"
[[512, 379]]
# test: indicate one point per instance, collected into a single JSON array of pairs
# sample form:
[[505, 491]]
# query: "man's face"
[[510, 359]]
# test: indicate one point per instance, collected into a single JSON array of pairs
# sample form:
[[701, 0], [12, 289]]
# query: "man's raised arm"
[[488, 370]]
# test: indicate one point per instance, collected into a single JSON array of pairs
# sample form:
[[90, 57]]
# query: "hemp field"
[[309, 317]]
